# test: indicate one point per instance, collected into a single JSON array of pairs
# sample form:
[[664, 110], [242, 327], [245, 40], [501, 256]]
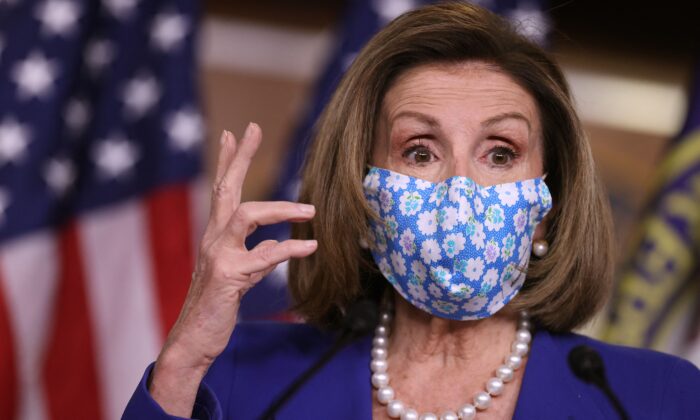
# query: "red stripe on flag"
[[170, 226], [8, 375], [70, 370]]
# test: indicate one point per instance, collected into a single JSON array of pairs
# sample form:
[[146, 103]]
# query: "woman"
[[427, 173]]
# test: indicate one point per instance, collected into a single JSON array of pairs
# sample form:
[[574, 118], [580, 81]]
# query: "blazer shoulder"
[[637, 367], [632, 357]]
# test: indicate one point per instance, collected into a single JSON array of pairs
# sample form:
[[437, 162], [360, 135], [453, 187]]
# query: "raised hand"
[[225, 270]]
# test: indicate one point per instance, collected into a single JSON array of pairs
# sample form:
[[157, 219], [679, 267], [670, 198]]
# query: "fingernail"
[[307, 208], [311, 243], [248, 130], [225, 136]]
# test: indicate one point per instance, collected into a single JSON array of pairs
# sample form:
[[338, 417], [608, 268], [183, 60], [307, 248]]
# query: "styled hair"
[[564, 288]]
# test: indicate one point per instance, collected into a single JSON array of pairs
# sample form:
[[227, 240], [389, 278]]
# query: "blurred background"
[[110, 115]]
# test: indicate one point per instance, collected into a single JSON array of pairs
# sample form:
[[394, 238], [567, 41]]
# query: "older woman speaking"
[[449, 180]]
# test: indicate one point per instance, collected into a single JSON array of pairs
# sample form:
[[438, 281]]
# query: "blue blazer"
[[263, 358]]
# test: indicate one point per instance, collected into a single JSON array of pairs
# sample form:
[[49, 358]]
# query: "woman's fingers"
[[234, 161], [267, 255], [248, 216], [237, 169], [221, 208]]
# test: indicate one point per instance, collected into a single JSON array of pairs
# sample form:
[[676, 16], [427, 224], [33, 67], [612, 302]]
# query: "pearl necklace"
[[481, 401]]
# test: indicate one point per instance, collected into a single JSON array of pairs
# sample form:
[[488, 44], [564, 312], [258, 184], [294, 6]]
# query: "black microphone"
[[360, 319], [588, 366]]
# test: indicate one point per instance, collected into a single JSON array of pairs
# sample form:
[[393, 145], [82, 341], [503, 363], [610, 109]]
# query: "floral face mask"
[[454, 249]]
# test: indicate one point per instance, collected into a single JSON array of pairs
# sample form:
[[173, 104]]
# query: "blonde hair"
[[564, 288]]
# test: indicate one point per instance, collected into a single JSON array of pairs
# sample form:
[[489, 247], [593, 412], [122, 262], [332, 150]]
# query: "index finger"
[[234, 161], [238, 168], [220, 206]]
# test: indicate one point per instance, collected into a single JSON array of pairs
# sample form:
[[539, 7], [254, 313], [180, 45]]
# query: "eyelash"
[[510, 152], [415, 148]]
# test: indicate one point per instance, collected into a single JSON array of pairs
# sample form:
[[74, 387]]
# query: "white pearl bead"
[[525, 324], [494, 386], [524, 314], [409, 414], [395, 409], [378, 365], [381, 331], [449, 415], [514, 361], [482, 400], [379, 353], [380, 342], [519, 349], [385, 318], [523, 336], [385, 394], [505, 373], [467, 412], [380, 380], [540, 248], [428, 416]]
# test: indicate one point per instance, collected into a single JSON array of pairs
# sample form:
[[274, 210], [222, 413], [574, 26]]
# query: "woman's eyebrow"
[[418, 116], [505, 116]]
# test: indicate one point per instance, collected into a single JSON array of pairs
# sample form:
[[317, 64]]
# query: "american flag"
[[361, 20], [100, 137]]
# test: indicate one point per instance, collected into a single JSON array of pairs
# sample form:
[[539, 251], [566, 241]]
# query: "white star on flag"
[[98, 54], [115, 156], [530, 22], [34, 76], [58, 17], [77, 115], [140, 94], [59, 175], [4, 203], [120, 9], [185, 129], [388, 10], [14, 138], [168, 30]]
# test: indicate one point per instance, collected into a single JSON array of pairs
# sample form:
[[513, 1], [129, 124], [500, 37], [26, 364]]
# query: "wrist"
[[175, 357]]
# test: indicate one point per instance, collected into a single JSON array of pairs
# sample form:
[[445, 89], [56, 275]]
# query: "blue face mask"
[[454, 249]]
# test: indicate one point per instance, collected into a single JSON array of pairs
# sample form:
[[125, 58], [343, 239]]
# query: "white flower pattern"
[[507, 194], [398, 263], [396, 182], [419, 270], [417, 292], [427, 222], [430, 251]]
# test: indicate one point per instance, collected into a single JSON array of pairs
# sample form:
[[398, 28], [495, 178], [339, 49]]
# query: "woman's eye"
[[418, 154], [501, 156]]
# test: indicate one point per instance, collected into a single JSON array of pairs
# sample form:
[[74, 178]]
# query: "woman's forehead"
[[475, 89]]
